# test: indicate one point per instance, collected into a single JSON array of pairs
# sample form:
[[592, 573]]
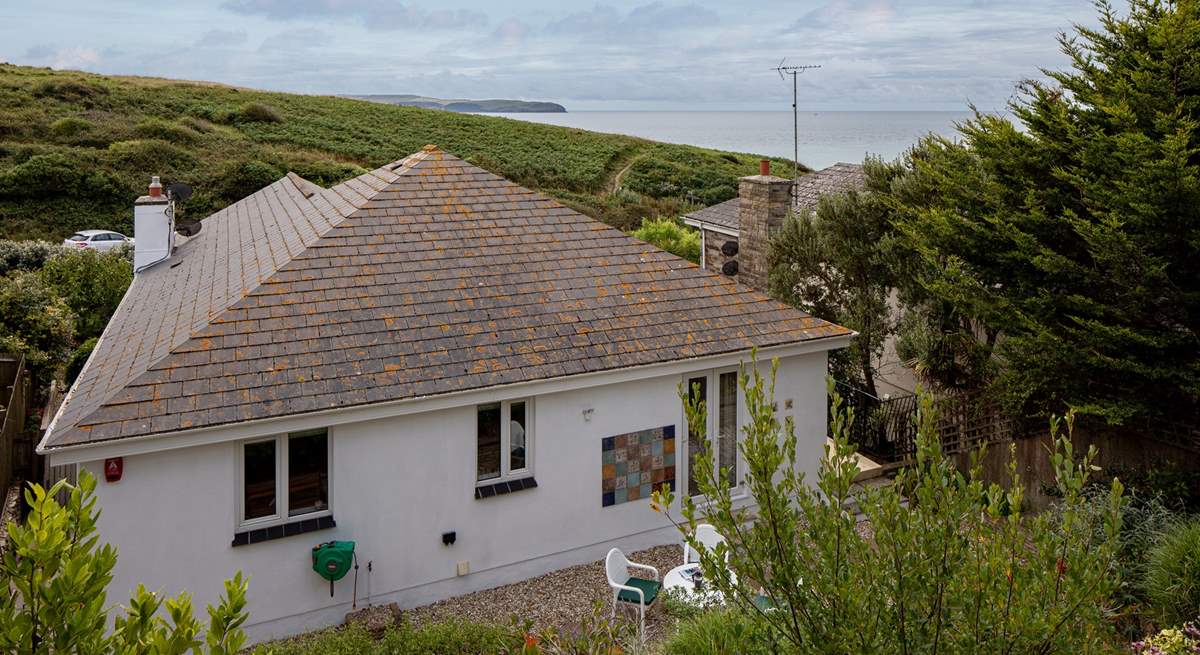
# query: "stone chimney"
[[153, 227], [764, 202]]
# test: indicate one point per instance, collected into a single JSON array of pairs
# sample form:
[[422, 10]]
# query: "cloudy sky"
[[694, 54]]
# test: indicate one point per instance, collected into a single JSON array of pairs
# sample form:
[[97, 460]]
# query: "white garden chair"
[[631, 589], [708, 537]]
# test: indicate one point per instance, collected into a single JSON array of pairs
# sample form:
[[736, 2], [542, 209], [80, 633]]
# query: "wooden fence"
[[14, 392], [886, 428]]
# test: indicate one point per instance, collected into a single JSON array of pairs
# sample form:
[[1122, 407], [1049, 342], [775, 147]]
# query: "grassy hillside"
[[76, 148]]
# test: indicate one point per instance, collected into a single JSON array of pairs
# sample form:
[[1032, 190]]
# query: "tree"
[[671, 236], [1067, 248], [57, 573], [953, 564], [36, 322], [838, 263], [92, 284]]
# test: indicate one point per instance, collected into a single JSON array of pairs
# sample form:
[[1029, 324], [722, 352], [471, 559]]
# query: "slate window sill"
[[507, 487], [273, 532]]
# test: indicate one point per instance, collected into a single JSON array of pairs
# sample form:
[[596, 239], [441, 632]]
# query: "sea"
[[826, 137]]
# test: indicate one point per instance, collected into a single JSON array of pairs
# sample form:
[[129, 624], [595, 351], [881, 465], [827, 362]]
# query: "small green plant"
[[672, 236], [1173, 574], [718, 631], [56, 572]]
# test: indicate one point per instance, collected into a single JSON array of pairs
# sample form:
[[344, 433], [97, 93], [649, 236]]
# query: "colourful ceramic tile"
[[635, 464]]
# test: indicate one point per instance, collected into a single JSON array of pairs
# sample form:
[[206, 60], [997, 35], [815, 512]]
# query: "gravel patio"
[[567, 596]]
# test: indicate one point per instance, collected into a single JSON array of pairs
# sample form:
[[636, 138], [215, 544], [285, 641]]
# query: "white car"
[[97, 240]]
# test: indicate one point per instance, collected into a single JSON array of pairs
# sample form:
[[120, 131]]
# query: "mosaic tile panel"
[[635, 464]]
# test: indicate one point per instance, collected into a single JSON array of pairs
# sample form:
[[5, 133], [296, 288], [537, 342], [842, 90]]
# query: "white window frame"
[[280, 517], [506, 472], [712, 404]]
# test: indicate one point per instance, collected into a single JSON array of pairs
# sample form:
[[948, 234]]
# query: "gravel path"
[[559, 599]]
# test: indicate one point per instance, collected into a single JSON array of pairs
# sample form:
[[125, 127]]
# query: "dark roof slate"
[[805, 195], [423, 277]]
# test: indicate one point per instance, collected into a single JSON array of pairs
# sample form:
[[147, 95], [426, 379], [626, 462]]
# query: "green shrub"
[[237, 180], [944, 569], [25, 255], [717, 632], [163, 130], [92, 283], [55, 573], [65, 128], [55, 175], [35, 321], [149, 156], [672, 236], [256, 112], [1173, 575], [325, 172]]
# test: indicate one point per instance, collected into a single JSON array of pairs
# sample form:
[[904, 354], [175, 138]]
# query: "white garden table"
[[684, 581]]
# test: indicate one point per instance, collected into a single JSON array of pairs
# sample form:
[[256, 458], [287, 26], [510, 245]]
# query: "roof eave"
[[154, 442]]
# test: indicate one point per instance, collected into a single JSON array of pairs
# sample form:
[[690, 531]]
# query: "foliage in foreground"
[[1172, 579], [672, 236], [953, 567], [56, 572]]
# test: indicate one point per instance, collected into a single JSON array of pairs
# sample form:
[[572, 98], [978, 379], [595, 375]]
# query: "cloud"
[[511, 32], [374, 15], [294, 41], [222, 38], [606, 22], [75, 57]]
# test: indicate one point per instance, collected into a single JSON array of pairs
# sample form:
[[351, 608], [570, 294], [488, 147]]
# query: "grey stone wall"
[[764, 205]]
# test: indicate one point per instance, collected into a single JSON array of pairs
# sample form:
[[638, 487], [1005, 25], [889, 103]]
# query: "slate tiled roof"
[[805, 195], [423, 277]]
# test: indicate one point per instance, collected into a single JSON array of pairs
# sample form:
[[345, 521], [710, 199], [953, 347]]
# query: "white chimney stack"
[[153, 227]]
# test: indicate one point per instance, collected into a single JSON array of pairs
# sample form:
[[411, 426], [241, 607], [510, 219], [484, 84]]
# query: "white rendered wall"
[[396, 485]]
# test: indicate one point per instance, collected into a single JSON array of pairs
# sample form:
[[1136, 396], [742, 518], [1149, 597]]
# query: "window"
[[284, 477], [719, 392], [503, 440]]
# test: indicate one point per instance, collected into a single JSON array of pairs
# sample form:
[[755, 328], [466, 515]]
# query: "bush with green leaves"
[[1172, 579], [1171, 641], [36, 322], [78, 359], [91, 282], [672, 236], [25, 255], [56, 573], [952, 565]]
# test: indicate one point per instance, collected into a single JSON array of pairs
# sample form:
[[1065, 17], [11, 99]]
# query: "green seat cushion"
[[649, 588]]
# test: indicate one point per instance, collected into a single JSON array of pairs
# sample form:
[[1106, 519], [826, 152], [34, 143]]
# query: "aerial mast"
[[794, 71]]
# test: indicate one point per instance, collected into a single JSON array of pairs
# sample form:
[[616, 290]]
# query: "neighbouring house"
[[735, 243], [470, 381]]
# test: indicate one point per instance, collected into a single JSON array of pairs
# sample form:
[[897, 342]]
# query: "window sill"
[[504, 487], [279, 531]]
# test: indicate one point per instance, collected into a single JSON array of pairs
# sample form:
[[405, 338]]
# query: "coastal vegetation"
[[76, 148]]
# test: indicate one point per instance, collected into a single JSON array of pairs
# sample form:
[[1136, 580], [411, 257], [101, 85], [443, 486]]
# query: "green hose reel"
[[332, 560]]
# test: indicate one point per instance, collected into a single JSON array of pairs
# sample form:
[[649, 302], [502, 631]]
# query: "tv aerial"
[[794, 71]]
